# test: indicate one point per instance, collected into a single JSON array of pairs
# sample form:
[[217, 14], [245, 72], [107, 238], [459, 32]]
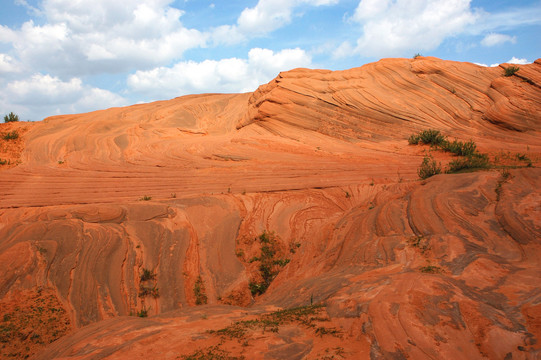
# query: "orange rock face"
[[288, 223]]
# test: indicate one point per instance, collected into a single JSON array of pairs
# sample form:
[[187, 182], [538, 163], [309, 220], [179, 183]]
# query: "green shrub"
[[431, 269], [143, 313], [460, 148], [12, 135], [414, 139], [270, 263], [147, 275], [432, 137], [476, 161], [11, 117], [429, 168], [511, 70], [199, 292]]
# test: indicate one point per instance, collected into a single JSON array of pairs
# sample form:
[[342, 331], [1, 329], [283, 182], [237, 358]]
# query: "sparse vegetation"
[[147, 275], [11, 117], [419, 242], [146, 198], [428, 137], [431, 269], [304, 315], [294, 246], [147, 287], [211, 353], [429, 168], [414, 139], [270, 263], [510, 70], [3, 162], [309, 317], [417, 55], [199, 292], [436, 139], [149, 291], [524, 158], [332, 354], [31, 322], [505, 176], [471, 162], [459, 148], [469, 157], [142, 313], [12, 135]]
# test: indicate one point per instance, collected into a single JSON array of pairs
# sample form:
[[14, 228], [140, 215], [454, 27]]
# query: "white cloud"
[[8, 64], [515, 60], [41, 95], [226, 75], [485, 65], [506, 19], [264, 18], [80, 37], [494, 39], [400, 27]]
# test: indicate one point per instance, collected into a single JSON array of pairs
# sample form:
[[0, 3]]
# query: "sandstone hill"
[[288, 223]]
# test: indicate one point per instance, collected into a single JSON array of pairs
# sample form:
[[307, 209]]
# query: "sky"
[[73, 56]]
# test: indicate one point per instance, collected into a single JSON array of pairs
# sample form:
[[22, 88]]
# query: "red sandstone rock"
[[446, 268]]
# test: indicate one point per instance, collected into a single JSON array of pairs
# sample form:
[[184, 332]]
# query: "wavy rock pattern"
[[442, 268]]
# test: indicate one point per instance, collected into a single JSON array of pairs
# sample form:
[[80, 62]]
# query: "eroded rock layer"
[[211, 210]]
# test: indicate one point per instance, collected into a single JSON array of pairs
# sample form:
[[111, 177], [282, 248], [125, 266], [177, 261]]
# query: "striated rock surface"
[[159, 209]]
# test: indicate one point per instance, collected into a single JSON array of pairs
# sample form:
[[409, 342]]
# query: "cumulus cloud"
[[515, 60], [8, 65], [226, 75], [80, 38], [39, 96], [494, 39], [401, 27], [265, 17]]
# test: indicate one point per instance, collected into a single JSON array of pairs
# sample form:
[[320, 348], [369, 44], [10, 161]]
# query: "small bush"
[[270, 260], [12, 135], [431, 269], [432, 137], [429, 168], [522, 157], [146, 198], [143, 313], [460, 148], [147, 275], [199, 292], [3, 162], [11, 117], [417, 55], [511, 70], [414, 139], [477, 161]]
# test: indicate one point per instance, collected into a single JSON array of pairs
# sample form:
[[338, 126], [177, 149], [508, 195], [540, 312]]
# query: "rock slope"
[[159, 209]]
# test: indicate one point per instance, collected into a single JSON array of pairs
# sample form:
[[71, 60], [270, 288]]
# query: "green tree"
[[11, 117]]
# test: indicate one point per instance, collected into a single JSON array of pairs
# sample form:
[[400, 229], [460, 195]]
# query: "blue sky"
[[71, 56]]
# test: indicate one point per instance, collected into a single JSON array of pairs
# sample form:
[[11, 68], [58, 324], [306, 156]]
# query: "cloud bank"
[[404, 27], [226, 75]]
